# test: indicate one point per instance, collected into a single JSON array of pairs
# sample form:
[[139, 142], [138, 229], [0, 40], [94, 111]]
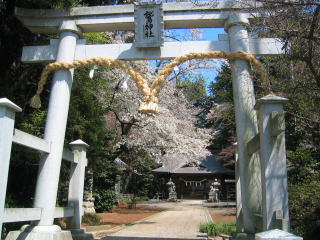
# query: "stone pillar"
[[275, 212], [76, 183], [246, 120], [7, 117], [76, 187], [49, 168], [238, 192], [117, 187]]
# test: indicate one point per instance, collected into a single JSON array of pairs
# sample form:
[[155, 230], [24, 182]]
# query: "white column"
[[238, 192], [7, 116], [76, 183], [49, 168], [246, 120], [275, 211]]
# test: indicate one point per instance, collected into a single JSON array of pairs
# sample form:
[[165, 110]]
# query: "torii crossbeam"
[[109, 18]]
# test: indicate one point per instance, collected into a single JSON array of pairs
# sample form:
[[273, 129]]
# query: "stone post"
[[238, 190], [7, 116], [76, 182], [76, 186], [246, 120], [49, 168], [275, 210], [117, 187]]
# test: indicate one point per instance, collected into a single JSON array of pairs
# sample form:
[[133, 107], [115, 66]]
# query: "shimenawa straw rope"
[[150, 100]]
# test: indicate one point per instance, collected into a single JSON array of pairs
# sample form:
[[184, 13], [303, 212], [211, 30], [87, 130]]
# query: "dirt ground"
[[124, 215], [223, 215], [120, 216]]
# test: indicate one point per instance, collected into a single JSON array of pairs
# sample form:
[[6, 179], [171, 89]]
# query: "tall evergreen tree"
[[217, 113]]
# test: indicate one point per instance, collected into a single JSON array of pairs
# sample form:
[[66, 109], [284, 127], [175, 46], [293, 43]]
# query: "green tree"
[[217, 112], [138, 178], [103, 185], [303, 166], [304, 208], [193, 89]]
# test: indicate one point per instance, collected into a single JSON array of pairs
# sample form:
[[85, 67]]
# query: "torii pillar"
[[49, 167], [246, 122]]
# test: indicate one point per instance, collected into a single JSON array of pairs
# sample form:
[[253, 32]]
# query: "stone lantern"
[[172, 191], [88, 199], [214, 191]]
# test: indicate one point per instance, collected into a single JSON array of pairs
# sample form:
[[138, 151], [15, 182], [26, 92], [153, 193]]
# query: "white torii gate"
[[69, 24]]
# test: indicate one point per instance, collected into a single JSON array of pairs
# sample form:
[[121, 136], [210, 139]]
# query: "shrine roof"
[[179, 164], [193, 170]]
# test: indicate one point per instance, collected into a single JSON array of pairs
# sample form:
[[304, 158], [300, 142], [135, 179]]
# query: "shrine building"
[[193, 178]]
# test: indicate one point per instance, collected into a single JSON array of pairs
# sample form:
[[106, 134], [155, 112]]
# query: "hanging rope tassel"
[[35, 101], [150, 100], [142, 84]]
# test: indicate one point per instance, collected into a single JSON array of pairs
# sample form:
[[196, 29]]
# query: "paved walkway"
[[181, 221]]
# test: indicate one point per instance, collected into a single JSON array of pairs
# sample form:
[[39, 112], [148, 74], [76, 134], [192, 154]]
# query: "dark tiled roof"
[[192, 170], [179, 164]]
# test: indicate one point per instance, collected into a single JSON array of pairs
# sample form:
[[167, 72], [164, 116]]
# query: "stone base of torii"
[[262, 201]]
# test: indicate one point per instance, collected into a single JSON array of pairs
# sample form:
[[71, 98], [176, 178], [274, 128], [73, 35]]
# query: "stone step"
[[204, 237]]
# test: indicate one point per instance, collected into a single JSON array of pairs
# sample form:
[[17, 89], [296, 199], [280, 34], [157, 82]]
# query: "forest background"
[[107, 121]]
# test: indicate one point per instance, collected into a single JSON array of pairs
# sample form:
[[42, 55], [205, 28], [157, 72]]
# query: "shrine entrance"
[[261, 194], [193, 179], [192, 186]]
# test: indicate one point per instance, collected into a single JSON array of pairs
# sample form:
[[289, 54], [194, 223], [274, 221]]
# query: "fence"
[[77, 158]]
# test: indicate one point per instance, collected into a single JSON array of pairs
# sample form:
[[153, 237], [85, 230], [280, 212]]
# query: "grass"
[[216, 228], [140, 199], [91, 219]]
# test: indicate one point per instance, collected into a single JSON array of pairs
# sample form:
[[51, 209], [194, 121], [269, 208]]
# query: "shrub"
[[141, 199], [105, 200], [103, 185], [304, 206], [91, 219], [216, 228]]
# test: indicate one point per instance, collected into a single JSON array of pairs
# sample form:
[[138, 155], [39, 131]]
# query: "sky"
[[208, 34]]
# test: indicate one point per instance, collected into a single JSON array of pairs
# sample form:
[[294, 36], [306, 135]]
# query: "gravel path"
[[180, 221]]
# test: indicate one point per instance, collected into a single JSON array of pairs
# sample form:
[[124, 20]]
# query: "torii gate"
[[253, 198]]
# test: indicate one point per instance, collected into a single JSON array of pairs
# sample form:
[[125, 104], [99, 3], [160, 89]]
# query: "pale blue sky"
[[208, 34]]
